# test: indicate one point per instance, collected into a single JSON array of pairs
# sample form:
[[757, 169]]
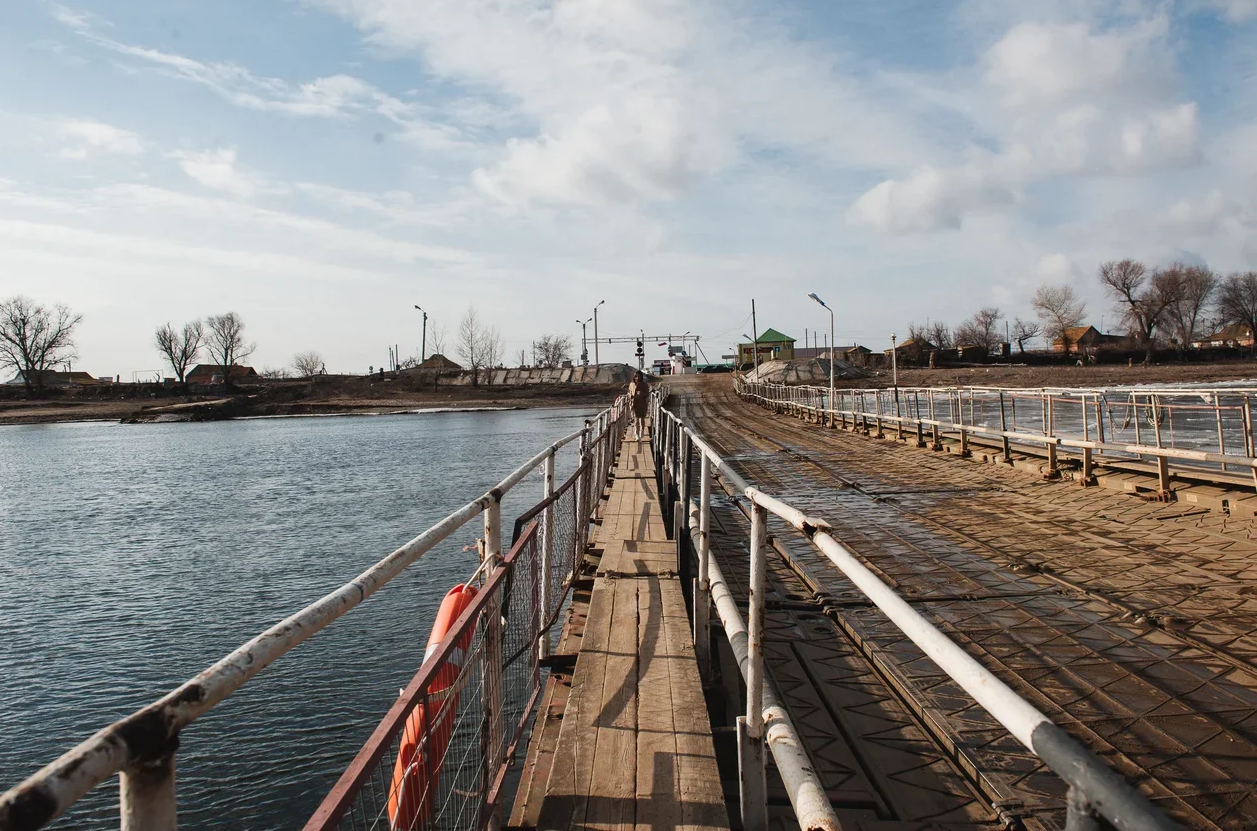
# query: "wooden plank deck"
[[628, 744]]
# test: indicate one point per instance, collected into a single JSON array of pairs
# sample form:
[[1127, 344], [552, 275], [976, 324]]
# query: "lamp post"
[[584, 347], [754, 351], [597, 360], [894, 371], [833, 347], [423, 349]]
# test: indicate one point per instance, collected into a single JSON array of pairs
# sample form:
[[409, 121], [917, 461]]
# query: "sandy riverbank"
[[284, 402]]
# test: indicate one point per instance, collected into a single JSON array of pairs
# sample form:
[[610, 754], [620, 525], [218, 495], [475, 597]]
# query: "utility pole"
[[423, 349], [597, 360], [754, 336], [894, 373], [584, 344], [829, 402]]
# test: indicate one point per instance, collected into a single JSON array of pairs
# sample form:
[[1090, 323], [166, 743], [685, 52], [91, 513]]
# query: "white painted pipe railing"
[[141, 747], [1094, 789], [1071, 419]]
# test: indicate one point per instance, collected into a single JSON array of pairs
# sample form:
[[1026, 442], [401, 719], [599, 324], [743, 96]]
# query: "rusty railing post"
[[492, 677], [702, 593], [1078, 813], [683, 480], [1217, 414], [753, 790], [1163, 463], [1249, 449], [547, 554], [147, 796], [1003, 426]]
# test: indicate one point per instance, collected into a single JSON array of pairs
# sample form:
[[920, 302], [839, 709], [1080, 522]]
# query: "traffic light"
[[640, 351]]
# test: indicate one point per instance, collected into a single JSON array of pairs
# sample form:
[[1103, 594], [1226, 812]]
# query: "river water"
[[131, 557]]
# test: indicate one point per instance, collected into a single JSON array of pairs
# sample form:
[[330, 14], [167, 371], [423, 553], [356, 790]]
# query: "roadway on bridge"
[[1130, 623]]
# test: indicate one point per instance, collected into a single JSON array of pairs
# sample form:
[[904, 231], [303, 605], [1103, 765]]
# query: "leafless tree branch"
[[34, 339]]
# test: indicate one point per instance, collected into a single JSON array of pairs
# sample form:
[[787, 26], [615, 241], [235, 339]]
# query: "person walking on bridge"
[[639, 400]]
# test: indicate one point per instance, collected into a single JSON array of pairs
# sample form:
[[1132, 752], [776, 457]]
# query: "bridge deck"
[[625, 740], [1130, 623]]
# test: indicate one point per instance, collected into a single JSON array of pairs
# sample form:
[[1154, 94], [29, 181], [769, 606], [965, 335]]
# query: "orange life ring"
[[426, 737]]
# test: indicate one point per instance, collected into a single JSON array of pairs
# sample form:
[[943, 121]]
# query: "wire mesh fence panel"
[[563, 519], [429, 774], [522, 622], [438, 761]]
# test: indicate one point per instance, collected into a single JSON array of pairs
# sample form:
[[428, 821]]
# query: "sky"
[[322, 166]]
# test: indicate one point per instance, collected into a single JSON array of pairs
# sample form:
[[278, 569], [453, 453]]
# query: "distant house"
[[911, 346], [1080, 338], [207, 374], [439, 362], [771, 345], [1237, 334], [858, 355], [55, 380]]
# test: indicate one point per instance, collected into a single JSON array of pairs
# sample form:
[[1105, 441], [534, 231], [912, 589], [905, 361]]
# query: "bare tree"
[[979, 330], [471, 345], [1061, 309], [940, 335], [34, 339], [1187, 315], [492, 349], [224, 341], [916, 331], [1237, 300], [181, 348], [553, 350], [1144, 299], [272, 373], [1025, 330], [307, 363], [436, 339]]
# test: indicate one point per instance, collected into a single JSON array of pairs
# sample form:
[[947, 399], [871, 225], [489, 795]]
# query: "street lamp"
[[584, 348], [833, 347], [754, 351], [597, 361], [423, 350]]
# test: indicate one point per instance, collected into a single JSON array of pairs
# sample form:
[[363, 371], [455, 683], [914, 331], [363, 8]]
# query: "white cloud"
[[1041, 64], [76, 19], [1059, 100], [929, 199], [216, 170], [1234, 11], [83, 138], [639, 100], [333, 96], [1056, 268]]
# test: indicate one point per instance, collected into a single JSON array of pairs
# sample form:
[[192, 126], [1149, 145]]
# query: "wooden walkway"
[[623, 740]]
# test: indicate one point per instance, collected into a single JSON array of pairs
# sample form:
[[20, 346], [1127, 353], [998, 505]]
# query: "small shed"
[[209, 374], [771, 346]]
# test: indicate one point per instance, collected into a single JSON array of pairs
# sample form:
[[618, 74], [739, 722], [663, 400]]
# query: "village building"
[[1235, 335], [210, 374], [53, 379], [440, 363], [1085, 338], [771, 346]]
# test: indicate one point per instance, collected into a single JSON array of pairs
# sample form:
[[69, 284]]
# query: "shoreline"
[[64, 412]]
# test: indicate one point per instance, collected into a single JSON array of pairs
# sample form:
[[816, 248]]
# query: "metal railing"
[[1201, 431], [480, 682], [1094, 790]]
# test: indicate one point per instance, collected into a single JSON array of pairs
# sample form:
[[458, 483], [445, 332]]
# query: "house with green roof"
[[771, 346]]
